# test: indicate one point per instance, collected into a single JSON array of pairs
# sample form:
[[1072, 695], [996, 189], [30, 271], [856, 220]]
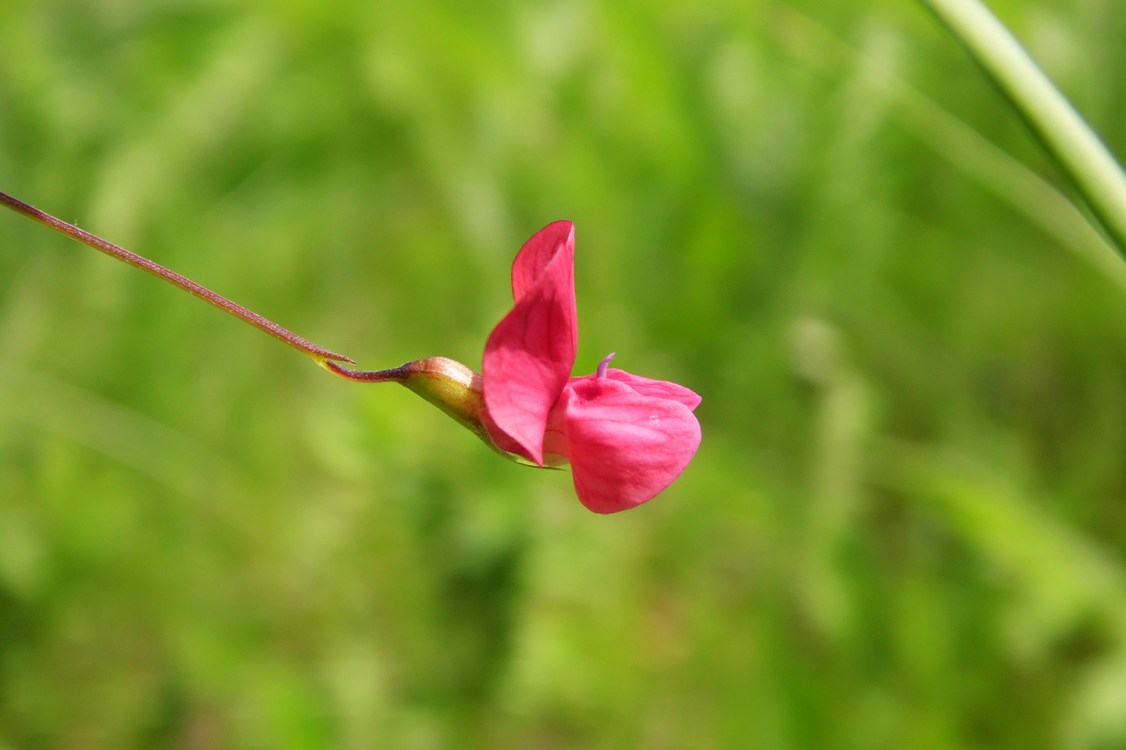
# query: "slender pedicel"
[[317, 352], [394, 374]]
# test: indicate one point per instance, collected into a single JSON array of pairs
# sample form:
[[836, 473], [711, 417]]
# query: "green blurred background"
[[904, 528]]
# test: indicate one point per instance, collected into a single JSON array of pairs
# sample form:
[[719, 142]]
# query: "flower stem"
[[1082, 156], [317, 352], [392, 375]]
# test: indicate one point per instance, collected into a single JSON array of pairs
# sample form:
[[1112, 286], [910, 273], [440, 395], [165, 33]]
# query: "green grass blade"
[[1084, 158]]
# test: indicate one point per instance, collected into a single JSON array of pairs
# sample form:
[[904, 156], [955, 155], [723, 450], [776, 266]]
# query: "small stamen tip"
[[601, 372]]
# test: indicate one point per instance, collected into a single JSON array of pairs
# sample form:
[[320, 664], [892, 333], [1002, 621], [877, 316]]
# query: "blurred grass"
[[904, 527]]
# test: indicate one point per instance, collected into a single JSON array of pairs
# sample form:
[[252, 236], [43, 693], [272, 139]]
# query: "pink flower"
[[626, 437]]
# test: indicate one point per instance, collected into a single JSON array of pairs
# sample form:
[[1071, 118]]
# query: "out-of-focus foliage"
[[906, 524]]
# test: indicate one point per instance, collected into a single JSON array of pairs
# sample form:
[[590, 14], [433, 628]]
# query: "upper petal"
[[625, 446], [529, 355]]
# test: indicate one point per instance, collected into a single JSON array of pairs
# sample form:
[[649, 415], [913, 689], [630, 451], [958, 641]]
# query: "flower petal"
[[529, 355], [625, 446], [650, 387]]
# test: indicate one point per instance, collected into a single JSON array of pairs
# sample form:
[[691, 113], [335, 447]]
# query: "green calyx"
[[451, 386]]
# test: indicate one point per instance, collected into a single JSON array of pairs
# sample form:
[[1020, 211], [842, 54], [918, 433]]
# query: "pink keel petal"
[[650, 387], [624, 446], [529, 355]]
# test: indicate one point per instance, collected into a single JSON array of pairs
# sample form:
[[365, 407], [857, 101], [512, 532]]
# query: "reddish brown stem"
[[393, 375], [315, 351]]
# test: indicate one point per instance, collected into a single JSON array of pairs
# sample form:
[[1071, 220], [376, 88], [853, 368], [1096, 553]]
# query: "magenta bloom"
[[626, 437]]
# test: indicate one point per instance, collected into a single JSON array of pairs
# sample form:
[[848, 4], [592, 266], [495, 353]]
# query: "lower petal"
[[625, 447]]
